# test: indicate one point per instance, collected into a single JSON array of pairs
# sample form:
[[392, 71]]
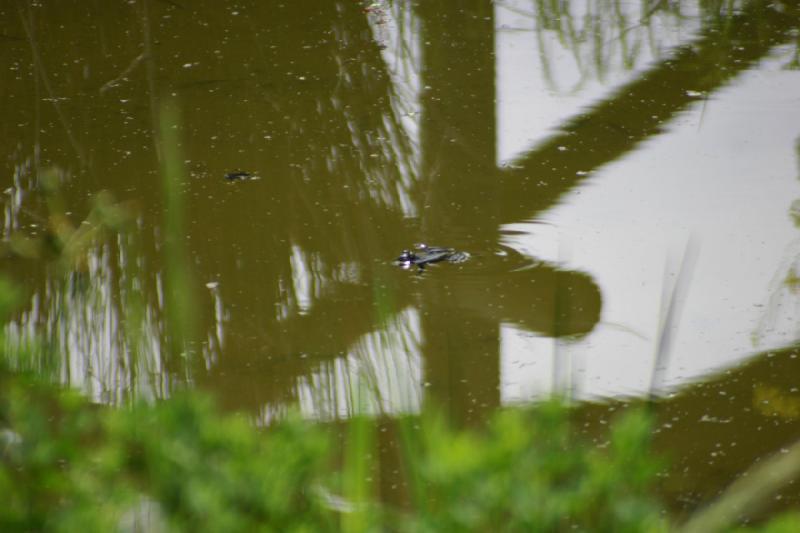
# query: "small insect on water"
[[423, 255], [237, 175]]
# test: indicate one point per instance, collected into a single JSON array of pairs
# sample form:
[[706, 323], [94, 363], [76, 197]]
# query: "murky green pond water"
[[624, 177]]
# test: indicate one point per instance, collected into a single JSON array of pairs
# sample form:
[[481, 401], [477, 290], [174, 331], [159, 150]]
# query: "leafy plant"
[[529, 472]]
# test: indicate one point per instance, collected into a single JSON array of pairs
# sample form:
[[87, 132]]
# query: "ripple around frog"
[[493, 261]]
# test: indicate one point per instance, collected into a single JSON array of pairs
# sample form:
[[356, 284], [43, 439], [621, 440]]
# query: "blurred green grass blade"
[[179, 298], [357, 475], [748, 493]]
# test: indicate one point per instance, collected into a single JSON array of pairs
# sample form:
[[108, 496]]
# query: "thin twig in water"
[[670, 314], [41, 73], [124, 74], [748, 493]]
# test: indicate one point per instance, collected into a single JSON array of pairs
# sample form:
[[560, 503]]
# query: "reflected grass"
[[89, 326], [601, 35]]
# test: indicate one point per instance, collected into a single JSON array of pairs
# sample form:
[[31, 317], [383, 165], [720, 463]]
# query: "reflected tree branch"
[[641, 109]]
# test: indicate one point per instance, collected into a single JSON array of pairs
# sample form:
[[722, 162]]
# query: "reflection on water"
[[82, 324], [578, 42], [381, 374], [782, 305], [364, 131]]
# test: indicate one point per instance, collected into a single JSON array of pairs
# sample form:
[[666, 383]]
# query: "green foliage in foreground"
[[67, 465], [528, 472], [180, 465]]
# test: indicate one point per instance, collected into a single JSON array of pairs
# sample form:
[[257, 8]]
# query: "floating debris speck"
[[238, 175]]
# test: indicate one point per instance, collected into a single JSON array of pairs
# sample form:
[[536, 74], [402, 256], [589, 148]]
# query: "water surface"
[[624, 179]]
